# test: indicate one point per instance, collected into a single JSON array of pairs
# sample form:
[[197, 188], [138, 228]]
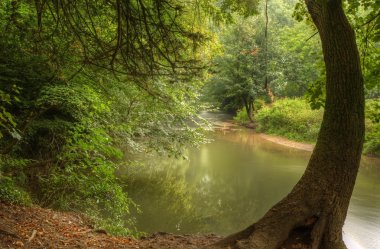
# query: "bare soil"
[[36, 227], [287, 142]]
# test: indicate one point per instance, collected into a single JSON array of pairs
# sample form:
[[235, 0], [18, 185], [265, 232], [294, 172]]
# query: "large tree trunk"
[[318, 203]]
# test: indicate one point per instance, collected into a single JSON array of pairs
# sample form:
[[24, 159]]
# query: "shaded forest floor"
[[36, 227]]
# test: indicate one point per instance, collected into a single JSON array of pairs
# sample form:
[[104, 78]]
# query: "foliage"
[[294, 119], [372, 137], [10, 191], [298, 60], [76, 101], [300, 63], [7, 122], [241, 115], [316, 93], [238, 75], [294, 60], [364, 15], [291, 118]]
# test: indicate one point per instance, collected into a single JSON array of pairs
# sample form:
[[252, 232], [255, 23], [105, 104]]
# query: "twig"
[[33, 236], [85, 231], [371, 19], [311, 36]]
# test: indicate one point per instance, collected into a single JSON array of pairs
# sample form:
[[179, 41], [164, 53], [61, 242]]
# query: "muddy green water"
[[226, 185]]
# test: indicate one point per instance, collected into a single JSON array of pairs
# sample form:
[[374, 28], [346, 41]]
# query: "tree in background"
[[286, 59], [238, 75]]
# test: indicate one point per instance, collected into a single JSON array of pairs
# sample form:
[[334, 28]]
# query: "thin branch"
[[311, 36], [372, 19]]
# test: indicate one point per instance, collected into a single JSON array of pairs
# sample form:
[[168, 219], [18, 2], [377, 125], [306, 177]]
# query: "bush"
[[241, 116], [12, 194], [372, 137], [291, 118], [294, 119]]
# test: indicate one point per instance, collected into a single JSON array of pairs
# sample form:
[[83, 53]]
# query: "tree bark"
[[319, 201]]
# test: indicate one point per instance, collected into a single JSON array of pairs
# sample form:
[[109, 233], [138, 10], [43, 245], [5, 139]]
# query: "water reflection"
[[228, 184]]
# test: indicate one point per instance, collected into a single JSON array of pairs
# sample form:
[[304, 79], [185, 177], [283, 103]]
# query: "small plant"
[[12, 194], [372, 137], [241, 116]]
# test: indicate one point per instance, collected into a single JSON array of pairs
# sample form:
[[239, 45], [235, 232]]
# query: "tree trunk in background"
[[319, 202], [248, 103]]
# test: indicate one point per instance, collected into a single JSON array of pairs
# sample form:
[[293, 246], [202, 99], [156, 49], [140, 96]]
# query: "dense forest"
[[86, 87]]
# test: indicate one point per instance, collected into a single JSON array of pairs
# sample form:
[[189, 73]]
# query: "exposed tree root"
[[306, 235]]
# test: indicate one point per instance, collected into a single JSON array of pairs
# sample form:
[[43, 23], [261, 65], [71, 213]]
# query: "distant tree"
[[238, 74]]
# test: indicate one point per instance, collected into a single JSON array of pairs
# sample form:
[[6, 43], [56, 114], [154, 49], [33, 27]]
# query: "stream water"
[[229, 183]]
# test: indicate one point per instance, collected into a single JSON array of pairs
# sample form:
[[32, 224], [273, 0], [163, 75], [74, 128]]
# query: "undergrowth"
[[294, 119], [291, 118]]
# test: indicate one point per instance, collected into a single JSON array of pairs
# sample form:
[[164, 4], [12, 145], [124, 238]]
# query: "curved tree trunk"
[[318, 203]]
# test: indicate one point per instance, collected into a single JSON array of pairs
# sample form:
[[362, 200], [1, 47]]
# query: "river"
[[229, 183]]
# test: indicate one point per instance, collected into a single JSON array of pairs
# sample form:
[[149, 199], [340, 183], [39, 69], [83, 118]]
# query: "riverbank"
[[286, 142], [295, 120], [231, 125]]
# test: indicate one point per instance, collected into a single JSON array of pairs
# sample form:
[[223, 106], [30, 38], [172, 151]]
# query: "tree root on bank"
[[308, 235]]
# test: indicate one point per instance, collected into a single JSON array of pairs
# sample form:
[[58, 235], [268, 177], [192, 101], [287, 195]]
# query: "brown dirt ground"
[[287, 142], [54, 229]]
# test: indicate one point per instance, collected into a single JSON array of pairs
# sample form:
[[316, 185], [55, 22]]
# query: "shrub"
[[292, 118], [372, 137], [12, 194], [241, 116]]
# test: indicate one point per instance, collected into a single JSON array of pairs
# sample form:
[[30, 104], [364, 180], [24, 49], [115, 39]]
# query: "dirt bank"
[[36, 227], [287, 142]]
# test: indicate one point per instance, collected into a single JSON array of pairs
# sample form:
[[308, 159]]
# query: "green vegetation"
[[86, 85], [291, 118], [372, 137], [295, 69], [73, 108], [11, 193], [237, 73], [296, 120]]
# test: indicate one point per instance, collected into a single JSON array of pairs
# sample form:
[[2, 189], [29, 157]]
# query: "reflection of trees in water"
[[366, 197], [165, 199], [224, 186], [219, 190]]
